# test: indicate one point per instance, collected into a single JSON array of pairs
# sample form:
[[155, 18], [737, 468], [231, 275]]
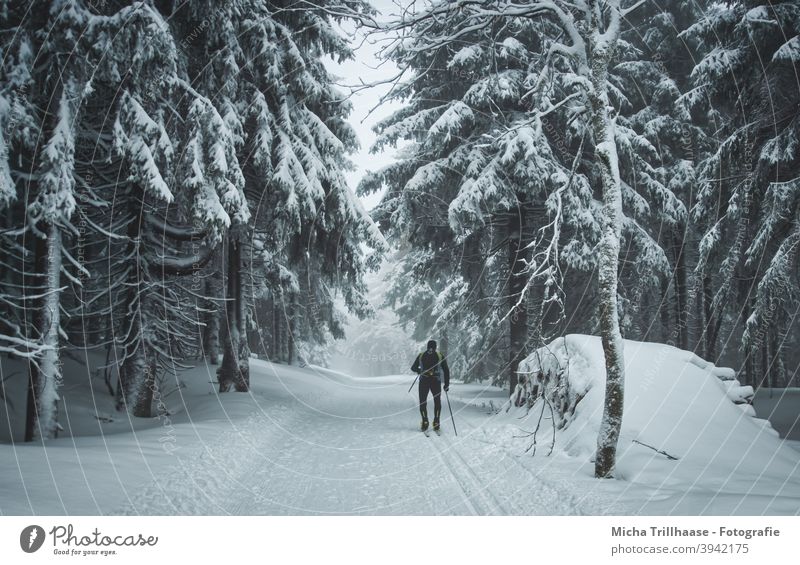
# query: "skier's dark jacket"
[[431, 363]]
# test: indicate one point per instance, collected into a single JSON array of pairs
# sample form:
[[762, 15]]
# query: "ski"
[[438, 432], [427, 433]]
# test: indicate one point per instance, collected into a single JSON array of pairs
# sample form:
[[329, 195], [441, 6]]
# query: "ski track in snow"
[[537, 488], [351, 450], [480, 497]]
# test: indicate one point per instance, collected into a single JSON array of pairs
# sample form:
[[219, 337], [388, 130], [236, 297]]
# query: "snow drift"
[[674, 402]]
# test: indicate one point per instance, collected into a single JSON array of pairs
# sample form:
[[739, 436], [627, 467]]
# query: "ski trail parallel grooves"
[[559, 492], [483, 490], [468, 502], [468, 483]]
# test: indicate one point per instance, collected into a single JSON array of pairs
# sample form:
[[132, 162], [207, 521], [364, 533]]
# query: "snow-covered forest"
[[176, 210], [172, 172], [499, 198], [615, 167]]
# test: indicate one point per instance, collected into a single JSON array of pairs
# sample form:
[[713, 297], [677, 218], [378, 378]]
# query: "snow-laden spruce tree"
[[469, 246], [649, 83], [563, 54], [108, 87], [206, 36], [182, 118], [18, 120], [176, 184], [40, 101], [747, 204], [262, 66], [322, 228]]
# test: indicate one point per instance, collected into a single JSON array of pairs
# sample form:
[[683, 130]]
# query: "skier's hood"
[[432, 345]]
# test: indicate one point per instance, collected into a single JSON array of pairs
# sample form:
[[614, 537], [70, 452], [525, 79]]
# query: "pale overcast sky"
[[367, 68]]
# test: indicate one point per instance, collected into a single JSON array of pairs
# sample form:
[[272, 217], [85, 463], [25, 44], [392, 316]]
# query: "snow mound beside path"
[[674, 401]]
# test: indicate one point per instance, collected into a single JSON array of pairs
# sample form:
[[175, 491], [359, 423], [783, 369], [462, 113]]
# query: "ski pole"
[[451, 412], [412, 384]]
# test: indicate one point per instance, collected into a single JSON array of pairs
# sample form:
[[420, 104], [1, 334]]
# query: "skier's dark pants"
[[433, 385]]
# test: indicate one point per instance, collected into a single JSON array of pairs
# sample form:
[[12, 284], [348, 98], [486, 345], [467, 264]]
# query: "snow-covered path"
[[313, 441], [329, 444]]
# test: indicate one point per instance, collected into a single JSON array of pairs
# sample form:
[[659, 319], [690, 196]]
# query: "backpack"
[[437, 368]]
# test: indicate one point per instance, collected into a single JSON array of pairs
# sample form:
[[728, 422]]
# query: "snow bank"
[[674, 401]]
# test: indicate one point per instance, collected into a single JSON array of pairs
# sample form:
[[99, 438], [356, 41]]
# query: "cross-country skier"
[[431, 366]]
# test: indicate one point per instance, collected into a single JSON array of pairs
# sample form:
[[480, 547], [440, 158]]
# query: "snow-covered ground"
[[729, 460], [314, 441]]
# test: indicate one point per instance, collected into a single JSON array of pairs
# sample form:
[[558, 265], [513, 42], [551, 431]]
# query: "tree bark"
[[743, 296], [211, 331], [291, 349], [765, 362], [518, 321], [609, 245], [143, 405], [274, 355], [708, 334], [133, 372], [45, 372], [284, 333], [778, 375], [681, 313], [138, 370], [783, 380], [30, 411], [664, 311], [235, 369], [609, 319]]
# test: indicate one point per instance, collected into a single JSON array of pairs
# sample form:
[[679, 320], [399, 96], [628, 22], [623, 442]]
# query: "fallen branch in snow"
[[671, 457], [534, 433]]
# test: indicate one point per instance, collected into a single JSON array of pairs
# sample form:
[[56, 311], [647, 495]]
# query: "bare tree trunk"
[[518, 328], [211, 332], [766, 371], [709, 341], [30, 412], [664, 311], [473, 266], [32, 281], [235, 369], [283, 333], [276, 331], [681, 312], [136, 374], [45, 372], [143, 405], [609, 245], [133, 371], [743, 294], [291, 349], [780, 377], [609, 319]]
